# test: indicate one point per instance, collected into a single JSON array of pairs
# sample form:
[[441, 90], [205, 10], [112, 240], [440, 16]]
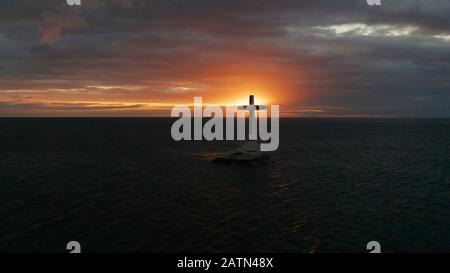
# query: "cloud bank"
[[315, 58]]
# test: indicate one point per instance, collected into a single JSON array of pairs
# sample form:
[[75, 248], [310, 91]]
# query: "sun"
[[243, 98]]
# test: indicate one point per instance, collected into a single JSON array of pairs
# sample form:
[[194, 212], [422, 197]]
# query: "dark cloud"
[[65, 106], [330, 57]]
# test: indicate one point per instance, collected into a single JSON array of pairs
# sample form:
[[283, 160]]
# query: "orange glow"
[[51, 34], [229, 86]]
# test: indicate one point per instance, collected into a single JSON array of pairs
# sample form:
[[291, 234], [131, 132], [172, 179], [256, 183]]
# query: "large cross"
[[252, 108]]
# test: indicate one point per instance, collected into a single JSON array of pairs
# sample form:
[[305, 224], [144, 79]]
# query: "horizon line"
[[166, 117]]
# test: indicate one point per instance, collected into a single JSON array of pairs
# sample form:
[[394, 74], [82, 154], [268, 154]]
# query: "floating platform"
[[250, 151]]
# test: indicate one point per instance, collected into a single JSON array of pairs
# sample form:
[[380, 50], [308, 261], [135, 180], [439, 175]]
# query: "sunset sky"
[[139, 58]]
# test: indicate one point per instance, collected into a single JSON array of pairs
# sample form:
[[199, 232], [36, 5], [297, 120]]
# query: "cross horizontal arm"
[[256, 107]]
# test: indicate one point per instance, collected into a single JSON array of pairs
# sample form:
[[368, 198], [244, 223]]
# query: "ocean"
[[123, 185]]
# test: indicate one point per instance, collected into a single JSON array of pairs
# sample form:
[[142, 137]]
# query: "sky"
[[316, 58]]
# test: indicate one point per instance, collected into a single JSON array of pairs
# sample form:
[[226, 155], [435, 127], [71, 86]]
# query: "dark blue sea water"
[[122, 185]]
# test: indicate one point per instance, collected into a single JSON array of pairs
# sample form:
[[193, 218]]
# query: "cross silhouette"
[[252, 108]]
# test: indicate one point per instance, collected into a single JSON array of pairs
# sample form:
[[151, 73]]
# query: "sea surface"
[[123, 185]]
